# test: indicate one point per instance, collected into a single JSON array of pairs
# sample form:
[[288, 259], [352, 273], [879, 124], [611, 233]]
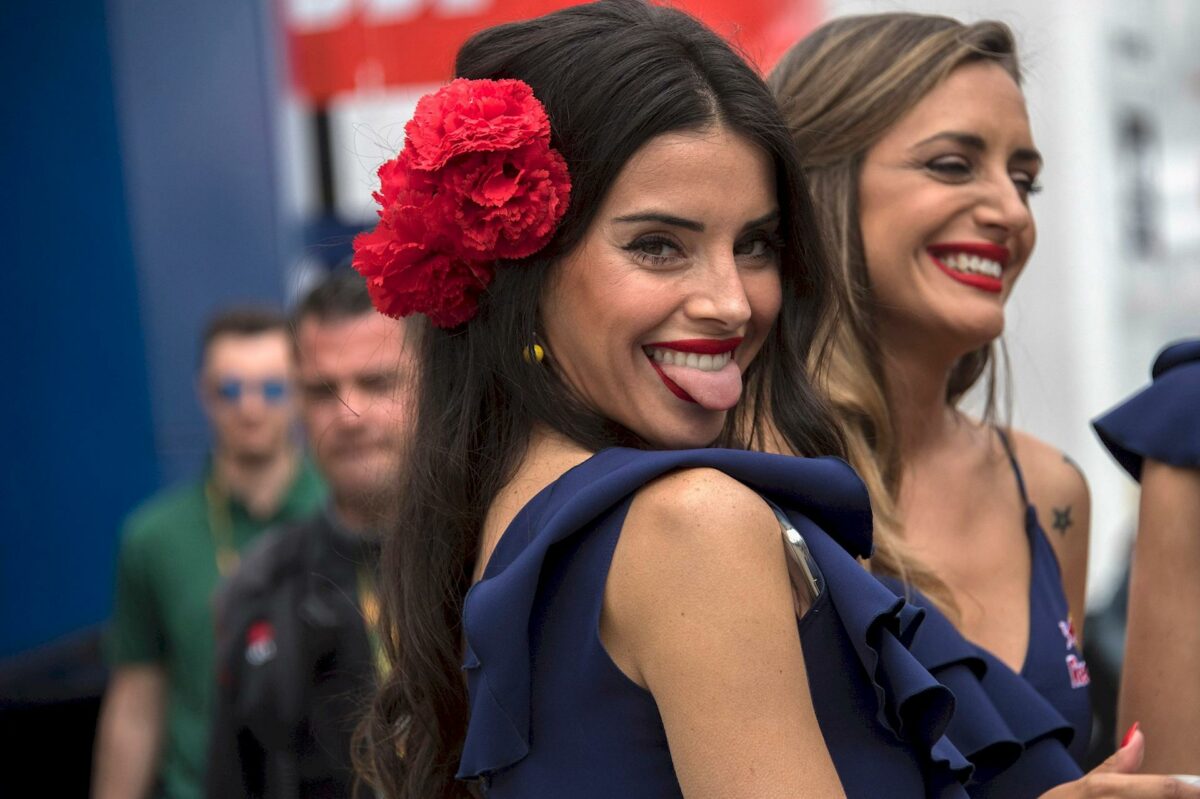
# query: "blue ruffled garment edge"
[[913, 704], [1000, 714], [1162, 421]]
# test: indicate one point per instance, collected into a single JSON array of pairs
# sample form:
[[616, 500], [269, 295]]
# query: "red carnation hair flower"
[[477, 181], [473, 116], [509, 203]]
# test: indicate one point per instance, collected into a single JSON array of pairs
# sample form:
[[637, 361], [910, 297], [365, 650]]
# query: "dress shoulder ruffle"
[[829, 506], [1161, 421], [999, 715]]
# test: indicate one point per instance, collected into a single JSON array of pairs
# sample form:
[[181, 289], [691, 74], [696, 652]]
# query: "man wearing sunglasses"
[[295, 660], [152, 737]]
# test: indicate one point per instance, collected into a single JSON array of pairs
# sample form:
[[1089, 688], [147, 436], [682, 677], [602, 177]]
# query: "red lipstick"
[[700, 346], [992, 252], [671, 385]]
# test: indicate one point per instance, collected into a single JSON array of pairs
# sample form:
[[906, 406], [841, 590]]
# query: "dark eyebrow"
[[762, 220], [977, 143], [665, 219], [688, 224]]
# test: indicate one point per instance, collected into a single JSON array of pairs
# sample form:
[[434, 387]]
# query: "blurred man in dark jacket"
[[297, 652]]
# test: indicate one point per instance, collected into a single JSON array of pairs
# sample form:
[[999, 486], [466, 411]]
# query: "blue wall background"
[[138, 165], [196, 93]]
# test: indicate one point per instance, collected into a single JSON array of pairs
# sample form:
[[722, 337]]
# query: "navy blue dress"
[[1162, 421], [552, 715], [1025, 732], [1054, 663]]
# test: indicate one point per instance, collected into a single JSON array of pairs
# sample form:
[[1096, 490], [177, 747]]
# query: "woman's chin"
[[686, 435], [979, 338], [968, 335]]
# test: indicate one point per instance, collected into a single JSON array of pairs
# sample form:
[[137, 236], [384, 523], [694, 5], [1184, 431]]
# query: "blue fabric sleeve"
[[1162, 421]]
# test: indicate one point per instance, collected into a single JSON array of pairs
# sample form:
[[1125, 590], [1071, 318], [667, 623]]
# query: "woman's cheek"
[[767, 298]]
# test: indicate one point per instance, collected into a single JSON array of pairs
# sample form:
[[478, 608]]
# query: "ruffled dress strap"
[[1162, 421], [901, 711]]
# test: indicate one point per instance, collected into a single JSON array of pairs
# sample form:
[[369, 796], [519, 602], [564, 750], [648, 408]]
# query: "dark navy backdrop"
[[138, 178], [77, 440]]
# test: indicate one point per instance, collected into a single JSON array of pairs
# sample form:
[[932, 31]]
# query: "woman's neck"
[[916, 385], [549, 455]]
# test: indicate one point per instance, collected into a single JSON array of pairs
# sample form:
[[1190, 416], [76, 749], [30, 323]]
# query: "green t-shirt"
[[166, 575]]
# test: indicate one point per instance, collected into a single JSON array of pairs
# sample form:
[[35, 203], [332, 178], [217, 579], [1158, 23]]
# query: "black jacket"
[[294, 666]]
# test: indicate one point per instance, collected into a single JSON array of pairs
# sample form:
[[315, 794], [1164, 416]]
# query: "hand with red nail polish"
[[1129, 735], [1115, 777]]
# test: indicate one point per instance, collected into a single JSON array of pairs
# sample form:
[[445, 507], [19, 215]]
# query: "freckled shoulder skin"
[[699, 600], [634, 633]]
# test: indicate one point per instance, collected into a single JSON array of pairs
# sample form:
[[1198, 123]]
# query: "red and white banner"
[[338, 47]]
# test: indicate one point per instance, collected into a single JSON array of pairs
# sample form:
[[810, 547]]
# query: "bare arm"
[[699, 610], [1159, 684], [129, 732]]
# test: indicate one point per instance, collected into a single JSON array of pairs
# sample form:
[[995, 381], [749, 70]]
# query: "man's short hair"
[[341, 294], [245, 320]]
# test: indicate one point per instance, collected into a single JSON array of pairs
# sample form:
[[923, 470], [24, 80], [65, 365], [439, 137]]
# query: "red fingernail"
[[1129, 735]]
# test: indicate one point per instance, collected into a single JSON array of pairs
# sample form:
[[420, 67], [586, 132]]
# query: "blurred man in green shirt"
[[152, 735]]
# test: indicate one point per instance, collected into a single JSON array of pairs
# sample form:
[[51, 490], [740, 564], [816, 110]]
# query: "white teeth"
[[705, 363], [973, 264]]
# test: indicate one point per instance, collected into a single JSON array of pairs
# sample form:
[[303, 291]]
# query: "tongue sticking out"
[[716, 391]]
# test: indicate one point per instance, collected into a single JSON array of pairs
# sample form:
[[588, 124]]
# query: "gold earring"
[[532, 353]]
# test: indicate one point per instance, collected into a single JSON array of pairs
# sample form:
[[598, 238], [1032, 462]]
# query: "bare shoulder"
[[1051, 476], [1059, 491], [700, 508], [699, 610], [696, 544]]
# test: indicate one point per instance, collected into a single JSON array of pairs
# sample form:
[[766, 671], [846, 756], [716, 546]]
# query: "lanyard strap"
[[368, 602], [221, 526]]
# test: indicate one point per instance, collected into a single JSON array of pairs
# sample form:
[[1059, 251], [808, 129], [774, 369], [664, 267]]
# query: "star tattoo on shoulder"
[[1062, 519]]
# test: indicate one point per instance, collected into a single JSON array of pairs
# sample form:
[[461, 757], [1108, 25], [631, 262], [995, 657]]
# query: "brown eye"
[[654, 250], [1026, 183], [953, 168], [760, 246], [756, 248]]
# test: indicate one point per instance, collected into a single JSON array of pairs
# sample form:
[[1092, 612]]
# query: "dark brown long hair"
[[840, 89], [612, 75]]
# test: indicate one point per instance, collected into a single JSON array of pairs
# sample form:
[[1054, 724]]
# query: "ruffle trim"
[[999, 713], [912, 704], [829, 506], [1159, 421], [497, 609]]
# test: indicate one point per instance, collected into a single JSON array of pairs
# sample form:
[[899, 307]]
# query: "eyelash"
[[957, 169], [773, 244], [637, 247]]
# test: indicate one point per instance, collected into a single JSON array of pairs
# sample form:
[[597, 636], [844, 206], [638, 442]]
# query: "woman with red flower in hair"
[[595, 587]]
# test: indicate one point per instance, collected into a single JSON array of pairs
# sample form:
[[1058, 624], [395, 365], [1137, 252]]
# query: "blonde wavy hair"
[[840, 89]]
